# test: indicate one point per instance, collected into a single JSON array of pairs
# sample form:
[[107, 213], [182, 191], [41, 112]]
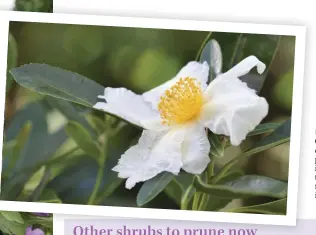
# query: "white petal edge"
[[233, 109], [244, 66], [126, 105], [155, 152], [193, 69], [195, 150]]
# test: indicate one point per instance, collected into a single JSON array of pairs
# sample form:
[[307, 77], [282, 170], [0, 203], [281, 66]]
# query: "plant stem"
[[204, 201], [210, 168], [103, 152], [186, 198], [96, 186], [203, 45], [196, 199]]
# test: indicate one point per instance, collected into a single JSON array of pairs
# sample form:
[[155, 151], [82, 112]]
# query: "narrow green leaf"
[[31, 154], [178, 187], [245, 187], [36, 194], [277, 207], [83, 139], [174, 191], [277, 137], [12, 60], [59, 83], [43, 221], [264, 128], [151, 188], [97, 123], [11, 227], [76, 191], [21, 140], [49, 196], [13, 216]]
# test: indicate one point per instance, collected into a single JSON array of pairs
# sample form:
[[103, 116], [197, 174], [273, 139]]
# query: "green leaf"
[[264, 128], [151, 188], [212, 54], [218, 203], [235, 47], [49, 196], [97, 123], [70, 111], [11, 227], [31, 154], [245, 187], [218, 145], [76, 191], [59, 83], [36, 194], [277, 207], [174, 191], [21, 140], [231, 176], [83, 139], [40, 220], [13, 216], [277, 137], [12, 60]]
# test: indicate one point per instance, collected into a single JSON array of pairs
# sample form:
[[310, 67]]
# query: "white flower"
[[176, 115]]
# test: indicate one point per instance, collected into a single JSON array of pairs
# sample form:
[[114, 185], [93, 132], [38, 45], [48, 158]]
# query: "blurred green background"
[[34, 5], [135, 58]]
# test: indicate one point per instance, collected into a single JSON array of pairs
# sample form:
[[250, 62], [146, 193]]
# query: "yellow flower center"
[[181, 103]]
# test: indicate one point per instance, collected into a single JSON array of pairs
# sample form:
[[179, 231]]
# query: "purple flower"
[[37, 231]]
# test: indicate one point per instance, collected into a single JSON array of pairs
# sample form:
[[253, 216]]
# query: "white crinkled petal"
[[233, 109], [195, 150], [193, 69], [155, 152], [244, 66], [127, 105]]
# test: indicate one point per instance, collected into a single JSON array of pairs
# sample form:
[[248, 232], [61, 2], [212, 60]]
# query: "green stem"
[[203, 45], [210, 168], [196, 199], [103, 152], [96, 187], [204, 201], [186, 198]]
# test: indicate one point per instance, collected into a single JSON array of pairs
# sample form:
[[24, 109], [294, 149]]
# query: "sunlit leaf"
[[59, 83], [245, 187]]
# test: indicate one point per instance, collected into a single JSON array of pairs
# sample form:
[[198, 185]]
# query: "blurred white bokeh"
[[6, 4]]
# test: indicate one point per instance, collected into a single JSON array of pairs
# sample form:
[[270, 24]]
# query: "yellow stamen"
[[181, 103]]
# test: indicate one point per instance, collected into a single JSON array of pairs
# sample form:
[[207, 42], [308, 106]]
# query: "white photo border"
[[298, 31]]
